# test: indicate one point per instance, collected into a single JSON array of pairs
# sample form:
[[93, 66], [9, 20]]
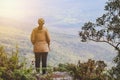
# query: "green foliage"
[[12, 69], [91, 70], [106, 29]]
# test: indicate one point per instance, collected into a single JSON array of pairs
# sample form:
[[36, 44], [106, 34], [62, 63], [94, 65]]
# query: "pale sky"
[[55, 12]]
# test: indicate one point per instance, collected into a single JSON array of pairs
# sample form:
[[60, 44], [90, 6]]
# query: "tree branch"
[[116, 47], [105, 42], [117, 44]]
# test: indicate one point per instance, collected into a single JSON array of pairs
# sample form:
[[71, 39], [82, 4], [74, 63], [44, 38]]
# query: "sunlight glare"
[[9, 8]]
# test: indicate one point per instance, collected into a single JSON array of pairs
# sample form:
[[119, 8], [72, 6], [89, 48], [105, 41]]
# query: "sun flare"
[[10, 8]]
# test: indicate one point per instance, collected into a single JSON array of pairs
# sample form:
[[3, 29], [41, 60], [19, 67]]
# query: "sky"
[[60, 13]]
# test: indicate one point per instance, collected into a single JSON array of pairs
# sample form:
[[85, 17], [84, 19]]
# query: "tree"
[[106, 29]]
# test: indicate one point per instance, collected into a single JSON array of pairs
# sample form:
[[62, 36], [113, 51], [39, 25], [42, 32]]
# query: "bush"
[[91, 70], [11, 68]]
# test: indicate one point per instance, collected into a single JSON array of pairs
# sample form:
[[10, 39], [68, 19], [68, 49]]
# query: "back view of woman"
[[41, 41]]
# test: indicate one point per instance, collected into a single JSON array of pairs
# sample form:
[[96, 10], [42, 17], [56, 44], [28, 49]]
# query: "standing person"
[[41, 41]]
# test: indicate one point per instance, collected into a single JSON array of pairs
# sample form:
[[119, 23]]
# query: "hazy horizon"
[[55, 12], [61, 16]]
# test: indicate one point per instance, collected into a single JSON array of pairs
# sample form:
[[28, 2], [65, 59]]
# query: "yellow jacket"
[[40, 39]]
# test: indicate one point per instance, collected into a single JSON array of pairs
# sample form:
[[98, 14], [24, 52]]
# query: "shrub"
[[11, 68], [91, 70]]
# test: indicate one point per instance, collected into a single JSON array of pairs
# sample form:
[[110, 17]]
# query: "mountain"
[[22, 25], [65, 43], [64, 47]]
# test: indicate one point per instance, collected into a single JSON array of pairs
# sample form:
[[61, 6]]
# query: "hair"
[[41, 20]]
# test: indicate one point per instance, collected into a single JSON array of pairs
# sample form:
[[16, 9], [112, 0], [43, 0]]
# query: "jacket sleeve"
[[33, 37], [48, 37]]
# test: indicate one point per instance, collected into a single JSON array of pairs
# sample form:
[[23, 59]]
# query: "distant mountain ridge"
[[64, 47], [8, 22]]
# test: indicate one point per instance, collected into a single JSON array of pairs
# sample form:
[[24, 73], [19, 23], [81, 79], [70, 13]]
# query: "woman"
[[41, 41]]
